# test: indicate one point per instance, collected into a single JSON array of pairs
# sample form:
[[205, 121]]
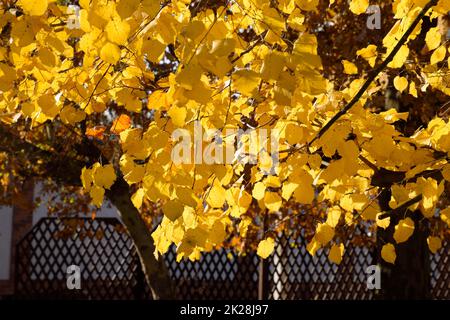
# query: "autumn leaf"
[[266, 247], [434, 243], [359, 6], [336, 253], [349, 67], [388, 253], [120, 124], [400, 83], [33, 7], [110, 53], [96, 132], [404, 230]]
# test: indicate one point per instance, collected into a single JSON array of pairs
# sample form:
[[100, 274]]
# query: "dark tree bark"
[[155, 271]]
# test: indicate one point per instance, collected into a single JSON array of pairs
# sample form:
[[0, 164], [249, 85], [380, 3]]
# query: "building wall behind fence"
[[17, 220]]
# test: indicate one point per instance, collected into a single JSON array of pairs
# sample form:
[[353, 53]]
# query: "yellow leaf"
[[313, 246], [154, 49], [370, 212], [216, 196], [97, 193], [246, 82], [369, 54], [307, 5], [151, 7], [137, 198], [173, 209], [178, 115], [272, 200], [400, 58], [324, 233], [189, 76], [349, 67], [359, 6], [382, 223], [431, 191], [433, 38], [445, 215], [334, 214], [288, 189], [272, 182], [110, 53], [272, 66], [392, 115], [434, 243], [305, 193], [400, 83], [189, 218], [48, 105], [71, 115], [117, 31], [266, 247], [104, 176], [122, 123], [336, 253], [86, 178], [446, 172], [296, 20], [34, 7], [132, 173], [294, 133], [352, 202], [403, 230], [306, 44], [388, 253], [125, 8], [258, 191], [438, 55], [29, 109], [157, 100], [243, 226], [273, 19], [187, 197], [413, 89]]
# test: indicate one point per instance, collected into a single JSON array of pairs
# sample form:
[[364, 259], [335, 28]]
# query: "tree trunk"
[[409, 277], [155, 271]]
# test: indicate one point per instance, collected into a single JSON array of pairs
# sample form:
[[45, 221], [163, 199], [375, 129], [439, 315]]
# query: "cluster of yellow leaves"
[[271, 76], [221, 79], [96, 179]]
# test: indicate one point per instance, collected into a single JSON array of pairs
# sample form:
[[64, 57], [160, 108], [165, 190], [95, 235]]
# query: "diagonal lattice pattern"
[[110, 268], [440, 278], [295, 274], [101, 248], [217, 275]]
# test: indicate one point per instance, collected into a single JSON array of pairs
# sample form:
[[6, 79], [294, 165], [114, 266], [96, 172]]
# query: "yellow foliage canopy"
[[161, 75]]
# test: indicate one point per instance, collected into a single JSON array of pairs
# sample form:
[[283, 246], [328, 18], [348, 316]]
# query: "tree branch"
[[374, 73], [400, 208], [251, 47]]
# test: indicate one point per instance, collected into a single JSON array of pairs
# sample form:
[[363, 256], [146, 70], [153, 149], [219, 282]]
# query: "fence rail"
[[110, 268]]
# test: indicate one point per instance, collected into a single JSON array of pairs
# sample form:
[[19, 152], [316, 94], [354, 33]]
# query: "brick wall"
[[22, 222]]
